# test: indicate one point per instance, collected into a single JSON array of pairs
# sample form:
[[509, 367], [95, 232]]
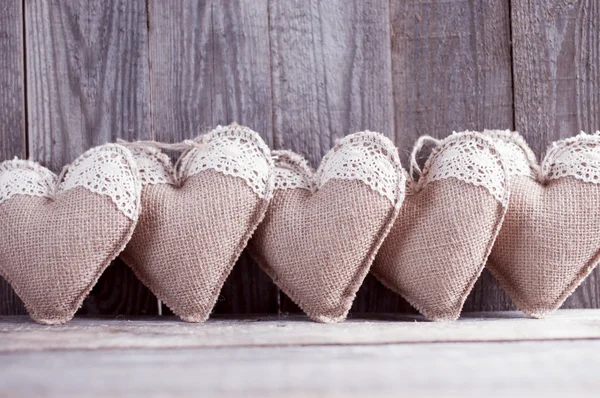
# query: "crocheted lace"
[[577, 157], [469, 157], [107, 170], [292, 171], [367, 157], [232, 150], [24, 177], [154, 166], [518, 158]]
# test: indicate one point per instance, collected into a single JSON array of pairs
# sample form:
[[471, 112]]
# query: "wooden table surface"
[[483, 354]]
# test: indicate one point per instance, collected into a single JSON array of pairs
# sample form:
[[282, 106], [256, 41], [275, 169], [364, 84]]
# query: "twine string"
[[414, 165]]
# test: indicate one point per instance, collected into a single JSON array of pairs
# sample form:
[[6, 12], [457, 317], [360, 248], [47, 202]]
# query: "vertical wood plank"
[[210, 65], [451, 65], [12, 112], [331, 68], [556, 50], [87, 84]]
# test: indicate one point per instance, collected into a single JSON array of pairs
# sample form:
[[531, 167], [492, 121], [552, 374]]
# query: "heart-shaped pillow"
[[443, 235], [322, 230], [550, 238], [197, 220], [55, 242]]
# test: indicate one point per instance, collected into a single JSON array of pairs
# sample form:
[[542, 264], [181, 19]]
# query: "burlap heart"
[[443, 235], [55, 242], [197, 220], [549, 241], [322, 230]]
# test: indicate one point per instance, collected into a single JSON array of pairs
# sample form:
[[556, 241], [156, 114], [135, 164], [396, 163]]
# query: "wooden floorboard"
[[19, 333], [522, 369], [483, 354]]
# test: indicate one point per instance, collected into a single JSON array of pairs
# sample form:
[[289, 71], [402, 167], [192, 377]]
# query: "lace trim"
[[518, 158], [154, 166], [24, 177], [577, 157], [292, 171], [469, 157], [232, 150], [368, 157], [108, 170]]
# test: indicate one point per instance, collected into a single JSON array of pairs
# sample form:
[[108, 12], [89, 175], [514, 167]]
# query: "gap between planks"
[[19, 333]]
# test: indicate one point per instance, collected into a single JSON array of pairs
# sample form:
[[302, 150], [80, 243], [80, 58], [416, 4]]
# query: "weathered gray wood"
[[210, 65], [87, 84], [331, 72], [19, 333], [520, 369], [452, 71], [12, 111], [556, 50], [331, 77]]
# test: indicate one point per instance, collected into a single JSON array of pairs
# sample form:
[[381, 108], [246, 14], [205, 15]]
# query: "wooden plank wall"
[[13, 139], [75, 74]]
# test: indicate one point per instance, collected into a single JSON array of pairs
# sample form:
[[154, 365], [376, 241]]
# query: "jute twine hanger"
[[61, 175], [414, 165]]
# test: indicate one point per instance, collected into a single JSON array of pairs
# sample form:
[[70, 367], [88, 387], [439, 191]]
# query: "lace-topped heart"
[[443, 235], [197, 220], [549, 241], [55, 242], [322, 230]]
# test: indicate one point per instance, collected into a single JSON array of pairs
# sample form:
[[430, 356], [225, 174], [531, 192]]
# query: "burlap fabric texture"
[[56, 241], [197, 220], [447, 225], [322, 230], [550, 238]]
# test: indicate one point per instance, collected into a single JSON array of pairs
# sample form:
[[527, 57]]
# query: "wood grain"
[[452, 71], [20, 333], [556, 50], [455, 370], [12, 111], [210, 65], [331, 70], [297, 358], [87, 84]]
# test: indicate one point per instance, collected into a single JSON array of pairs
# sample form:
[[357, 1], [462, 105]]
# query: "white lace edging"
[[367, 157], [154, 166], [108, 170], [470, 157], [24, 177], [577, 157], [518, 158], [232, 150], [292, 171]]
